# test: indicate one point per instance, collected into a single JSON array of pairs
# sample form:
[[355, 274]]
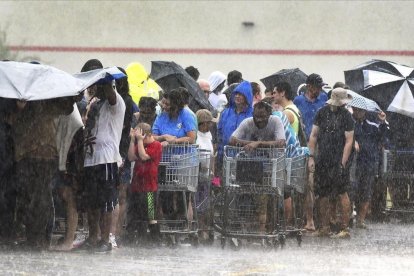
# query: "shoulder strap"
[[294, 112]]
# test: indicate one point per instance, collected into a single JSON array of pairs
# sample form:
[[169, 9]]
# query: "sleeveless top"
[[295, 123]]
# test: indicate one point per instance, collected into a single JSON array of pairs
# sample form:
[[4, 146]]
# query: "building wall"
[[326, 37]]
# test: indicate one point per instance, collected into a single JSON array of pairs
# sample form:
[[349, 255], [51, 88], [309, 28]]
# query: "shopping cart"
[[398, 174], [296, 179], [251, 204], [177, 182]]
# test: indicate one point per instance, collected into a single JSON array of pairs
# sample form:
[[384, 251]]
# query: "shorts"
[[101, 183], [363, 186], [329, 182], [61, 179]]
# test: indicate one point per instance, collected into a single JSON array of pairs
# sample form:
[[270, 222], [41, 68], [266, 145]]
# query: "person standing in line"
[[102, 161], [308, 104], [146, 152], [333, 135]]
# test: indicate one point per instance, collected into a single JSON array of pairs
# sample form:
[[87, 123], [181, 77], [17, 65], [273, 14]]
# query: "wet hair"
[[122, 85], [268, 100], [234, 77], [285, 86], [146, 128], [176, 102], [193, 72], [91, 64], [185, 94], [147, 102], [338, 84], [264, 105], [255, 88]]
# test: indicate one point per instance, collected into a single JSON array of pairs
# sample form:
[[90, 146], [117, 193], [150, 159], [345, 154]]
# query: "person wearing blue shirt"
[[175, 124], [368, 140], [239, 108], [310, 102]]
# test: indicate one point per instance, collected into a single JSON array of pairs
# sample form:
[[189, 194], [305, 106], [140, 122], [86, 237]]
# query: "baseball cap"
[[315, 79]]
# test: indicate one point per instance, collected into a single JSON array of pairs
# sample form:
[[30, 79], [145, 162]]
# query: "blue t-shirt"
[[178, 127], [309, 109]]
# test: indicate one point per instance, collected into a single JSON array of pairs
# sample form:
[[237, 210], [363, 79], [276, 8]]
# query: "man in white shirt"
[[101, 164]]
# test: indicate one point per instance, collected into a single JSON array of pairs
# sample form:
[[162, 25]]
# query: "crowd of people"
[[113, 156]]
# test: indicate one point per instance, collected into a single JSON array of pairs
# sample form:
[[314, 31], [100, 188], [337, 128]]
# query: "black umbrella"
[[390, 84], [294, 77], [169, 75]]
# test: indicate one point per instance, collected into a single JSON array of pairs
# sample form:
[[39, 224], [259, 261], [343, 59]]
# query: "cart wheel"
[[299, 238], [211, 238], [235, 244], [172, 241], [223, 242], [282, 241], [194, 241], [267, 244], [275, 243]]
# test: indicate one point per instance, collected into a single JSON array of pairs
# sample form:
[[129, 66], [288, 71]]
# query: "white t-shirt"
[[248, 131], [217, 101], [204, 142], [108, 131]]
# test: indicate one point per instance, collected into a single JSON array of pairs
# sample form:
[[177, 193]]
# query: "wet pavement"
[[384, 249]]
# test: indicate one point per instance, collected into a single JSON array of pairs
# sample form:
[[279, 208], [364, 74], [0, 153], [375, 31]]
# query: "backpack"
[[301, 132]]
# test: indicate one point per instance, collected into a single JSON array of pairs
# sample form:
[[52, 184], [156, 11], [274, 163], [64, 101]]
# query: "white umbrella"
[[361, 102], [389, 84], [31, 82]]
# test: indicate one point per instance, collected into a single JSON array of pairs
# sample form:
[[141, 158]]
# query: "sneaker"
[[361, 225], [85, 245], [103, 248], [343, 234], [321, 233], [112, 240]]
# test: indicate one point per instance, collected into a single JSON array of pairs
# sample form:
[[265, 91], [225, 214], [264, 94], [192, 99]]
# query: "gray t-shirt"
[[248, 131]]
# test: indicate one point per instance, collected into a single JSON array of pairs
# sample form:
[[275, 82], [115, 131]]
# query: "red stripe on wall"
[[212, 51]]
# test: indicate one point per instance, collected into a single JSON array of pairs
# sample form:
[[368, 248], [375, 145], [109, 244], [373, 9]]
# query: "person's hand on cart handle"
[[251, 146]]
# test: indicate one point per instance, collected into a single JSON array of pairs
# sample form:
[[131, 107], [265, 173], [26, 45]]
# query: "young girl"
[[146, 152]]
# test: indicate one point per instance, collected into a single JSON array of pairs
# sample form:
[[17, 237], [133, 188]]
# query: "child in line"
[[146, 152]]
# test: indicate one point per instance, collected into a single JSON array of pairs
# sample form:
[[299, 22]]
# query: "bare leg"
[[122, 210], [363, 211], [324, 211], [309, 204], [288, 210], [93, 221], [72, 219], [107, 222], [115, 217], [346, 209]]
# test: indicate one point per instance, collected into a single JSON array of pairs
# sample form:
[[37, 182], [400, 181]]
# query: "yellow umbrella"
[[140, 85]]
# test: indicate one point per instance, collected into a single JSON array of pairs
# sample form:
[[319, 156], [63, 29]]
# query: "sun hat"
[[339, 97]]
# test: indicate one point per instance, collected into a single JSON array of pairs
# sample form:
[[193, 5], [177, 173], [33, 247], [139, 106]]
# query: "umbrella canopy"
[[361, 102], [31, 82], [169, 75], [295, 77], [389, 84]]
